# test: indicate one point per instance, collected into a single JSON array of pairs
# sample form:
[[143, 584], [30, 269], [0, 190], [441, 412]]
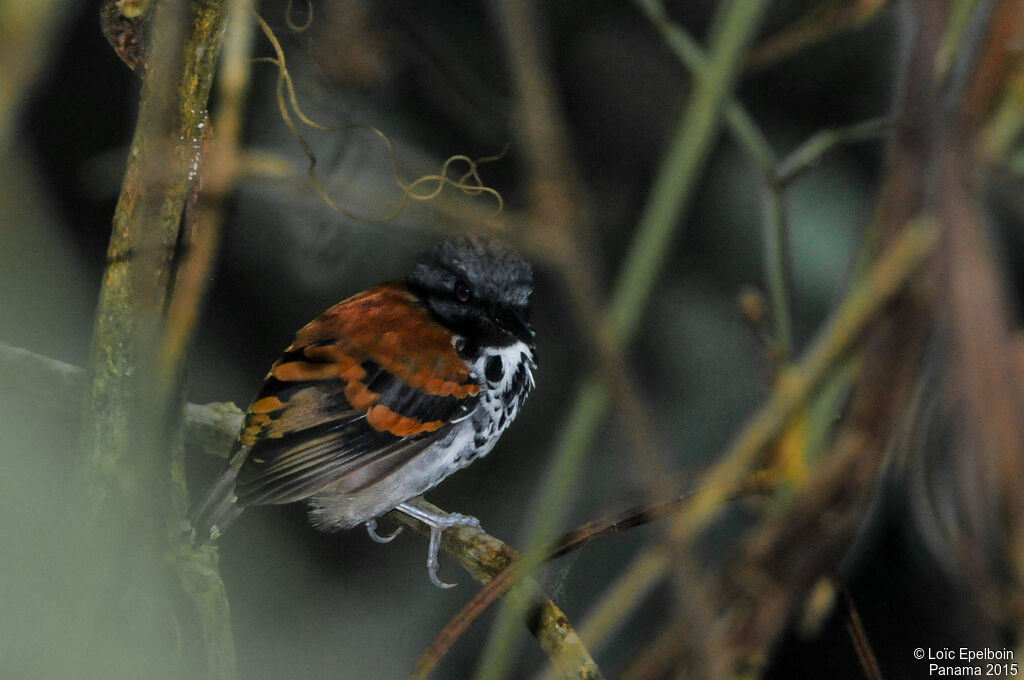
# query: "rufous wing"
[[364, 388]]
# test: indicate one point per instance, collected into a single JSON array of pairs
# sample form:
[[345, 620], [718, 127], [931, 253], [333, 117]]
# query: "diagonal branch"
[[858, 313], [59, 386], [819, 24], [775, 173], [670, 195], [485, 557]]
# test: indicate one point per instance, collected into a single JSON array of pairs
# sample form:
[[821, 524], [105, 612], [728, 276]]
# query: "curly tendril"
[[424, 188]]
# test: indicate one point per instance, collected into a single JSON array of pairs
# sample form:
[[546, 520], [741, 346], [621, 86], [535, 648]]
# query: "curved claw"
[[433, 563], [437, 524], [371, 528]]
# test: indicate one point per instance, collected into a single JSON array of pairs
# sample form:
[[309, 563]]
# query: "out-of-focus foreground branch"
[[213, 427], [131, 439], [27, 31], [58, 387], [856, 316], [931, 170], [821, 23], [669, 197]]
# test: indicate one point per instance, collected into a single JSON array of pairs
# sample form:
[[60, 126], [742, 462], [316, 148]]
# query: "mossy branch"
[[131, 446], [485, 557], [142, 254], [213, 427]]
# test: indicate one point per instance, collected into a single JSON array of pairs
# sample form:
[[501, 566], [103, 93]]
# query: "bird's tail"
[[217, 508]]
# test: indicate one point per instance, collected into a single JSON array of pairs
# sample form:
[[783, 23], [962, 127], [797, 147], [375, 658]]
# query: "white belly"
[[472, 436]]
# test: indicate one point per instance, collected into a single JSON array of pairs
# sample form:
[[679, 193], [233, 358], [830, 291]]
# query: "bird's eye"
[[462, 291]]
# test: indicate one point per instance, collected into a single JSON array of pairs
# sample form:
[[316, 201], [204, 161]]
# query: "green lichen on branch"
[[485, 557], [143, 247], [53, 384], [131, 438]]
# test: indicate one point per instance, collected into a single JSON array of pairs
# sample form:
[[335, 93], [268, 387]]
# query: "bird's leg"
[[437, 524], [371, 528]]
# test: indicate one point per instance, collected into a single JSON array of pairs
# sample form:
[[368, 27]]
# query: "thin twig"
[[825, 141], [54, 384], [797, 384], [645, 514], [747, 133], [558, 219], [460, 623], [853, 317], [669, 198], [858, 635], [819, 24]]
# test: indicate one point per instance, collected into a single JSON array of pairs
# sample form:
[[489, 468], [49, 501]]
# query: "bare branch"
[[851, 320], [58, 385], [821, 23], [486, 557], [668, 201]]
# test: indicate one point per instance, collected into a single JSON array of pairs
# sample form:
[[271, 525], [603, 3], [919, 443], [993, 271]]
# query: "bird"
[[385, 395]]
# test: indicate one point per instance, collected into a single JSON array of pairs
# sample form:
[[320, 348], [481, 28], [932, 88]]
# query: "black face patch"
[[494, 370], [478, 288]]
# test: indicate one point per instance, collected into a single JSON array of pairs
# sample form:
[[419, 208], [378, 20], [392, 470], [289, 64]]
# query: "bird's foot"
[[371, 528], [437, 524]]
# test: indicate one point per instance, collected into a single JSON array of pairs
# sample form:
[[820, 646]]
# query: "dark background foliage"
[[432, 76]]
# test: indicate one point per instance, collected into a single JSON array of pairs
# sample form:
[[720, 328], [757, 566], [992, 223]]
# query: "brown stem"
[[821, 23], [489, 560], [858, 635], [132, 425]]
